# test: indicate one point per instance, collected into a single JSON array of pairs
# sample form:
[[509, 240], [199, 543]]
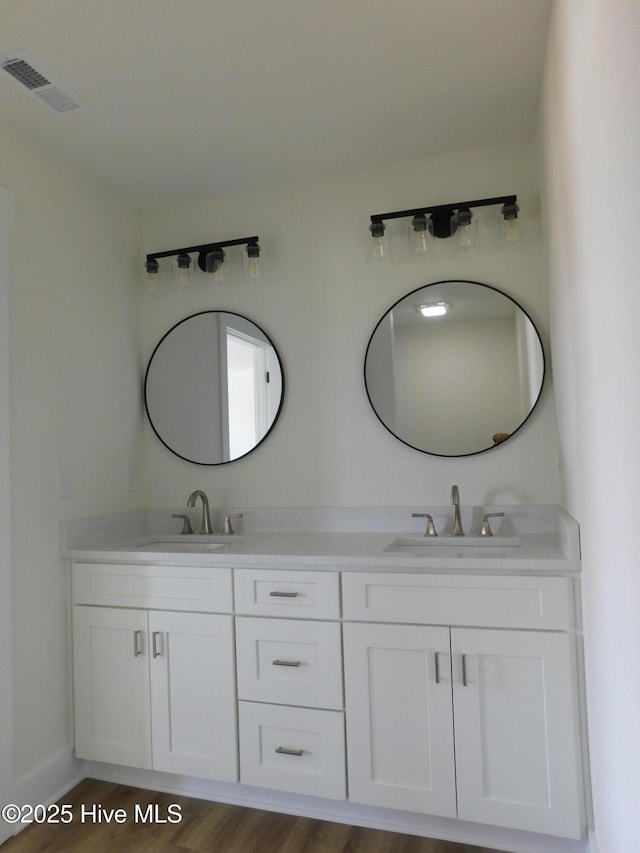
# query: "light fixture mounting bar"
[[203, 248], [437, 208]]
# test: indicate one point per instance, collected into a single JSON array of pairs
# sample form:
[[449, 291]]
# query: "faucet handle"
[[431, 529], [485, 530], [186, 523], [227, 529]]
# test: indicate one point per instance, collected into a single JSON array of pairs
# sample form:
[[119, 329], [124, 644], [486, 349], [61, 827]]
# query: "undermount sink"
[[455, 546], [184, 547]]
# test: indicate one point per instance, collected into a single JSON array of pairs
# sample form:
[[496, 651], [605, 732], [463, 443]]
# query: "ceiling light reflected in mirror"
[[438, 309]]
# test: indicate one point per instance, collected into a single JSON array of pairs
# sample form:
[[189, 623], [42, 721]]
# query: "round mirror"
[[213, 387], [454, 368]]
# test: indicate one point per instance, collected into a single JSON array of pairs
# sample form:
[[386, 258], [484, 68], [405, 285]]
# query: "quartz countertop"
[[554, 550]]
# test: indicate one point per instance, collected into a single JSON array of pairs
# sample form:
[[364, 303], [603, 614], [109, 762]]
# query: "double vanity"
[[373, 673]]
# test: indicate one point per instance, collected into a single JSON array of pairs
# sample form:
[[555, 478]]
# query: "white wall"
[[320, 306], [74, 401], [7, 204], [467, 373], [77, 367], [591, 140]]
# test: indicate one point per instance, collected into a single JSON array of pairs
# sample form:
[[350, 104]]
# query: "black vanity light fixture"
[[210, 259], [446, 220]]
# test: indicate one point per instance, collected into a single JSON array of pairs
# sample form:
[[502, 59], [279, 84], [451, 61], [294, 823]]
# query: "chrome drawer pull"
[[154, 644], [278, 662], [283, 750], [137, 644], [276, 594]]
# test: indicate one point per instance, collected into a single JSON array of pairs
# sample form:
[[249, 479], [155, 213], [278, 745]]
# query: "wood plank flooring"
[[205, 827]]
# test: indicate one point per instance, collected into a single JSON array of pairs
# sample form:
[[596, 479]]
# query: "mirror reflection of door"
[[213, 387], [252, 389]]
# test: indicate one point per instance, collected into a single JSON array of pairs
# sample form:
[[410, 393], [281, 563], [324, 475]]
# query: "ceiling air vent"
[[24, 71]]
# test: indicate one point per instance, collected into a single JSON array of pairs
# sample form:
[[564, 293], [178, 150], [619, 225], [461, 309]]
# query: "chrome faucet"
[[457, 521], [205, 526], [430, 529], [486, 530], [186, 523], [227, 527]]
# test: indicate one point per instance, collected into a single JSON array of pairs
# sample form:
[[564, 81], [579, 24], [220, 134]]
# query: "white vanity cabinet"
[[155, 688], [440, 696], [290, 689], [474, 722]]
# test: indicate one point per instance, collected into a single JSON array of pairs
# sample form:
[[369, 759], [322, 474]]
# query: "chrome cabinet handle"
[[276, 594], [137, 643], [156, 646], [283, 750], [464, 670], [437, 661], [278, 662]]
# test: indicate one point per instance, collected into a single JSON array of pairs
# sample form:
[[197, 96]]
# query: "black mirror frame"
[[491, 446], [275, 419]]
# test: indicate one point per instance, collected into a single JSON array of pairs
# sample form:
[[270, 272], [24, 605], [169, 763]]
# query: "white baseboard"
[[339, 811], [52, 779], [594, 846], [49, 781]]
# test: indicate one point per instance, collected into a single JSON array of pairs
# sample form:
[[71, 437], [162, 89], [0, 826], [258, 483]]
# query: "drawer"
[[164, 587], [290, 662], [293, 749], [307, 595], [489, 601]]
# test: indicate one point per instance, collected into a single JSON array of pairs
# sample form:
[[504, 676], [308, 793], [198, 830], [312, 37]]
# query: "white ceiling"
[[193, 98]]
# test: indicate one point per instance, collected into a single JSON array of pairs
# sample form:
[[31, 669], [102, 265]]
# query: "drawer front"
[[164, 587], [290, 662], [293, 749], [306, 595], [490, 601]]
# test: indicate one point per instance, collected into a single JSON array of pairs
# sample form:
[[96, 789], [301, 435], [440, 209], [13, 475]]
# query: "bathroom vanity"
[[348, 660]]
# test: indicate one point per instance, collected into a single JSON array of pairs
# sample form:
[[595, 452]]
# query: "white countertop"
[[548, 551]]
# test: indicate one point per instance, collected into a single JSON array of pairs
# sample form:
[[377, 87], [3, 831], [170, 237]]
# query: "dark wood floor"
[[205, 827]]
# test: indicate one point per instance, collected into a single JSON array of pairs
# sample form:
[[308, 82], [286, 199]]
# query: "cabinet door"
[[516, 730], [111, 685], [193, 694], [399, 717]]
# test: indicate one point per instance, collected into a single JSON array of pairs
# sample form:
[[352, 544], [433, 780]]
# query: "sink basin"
[[455, 546], [173, 547]]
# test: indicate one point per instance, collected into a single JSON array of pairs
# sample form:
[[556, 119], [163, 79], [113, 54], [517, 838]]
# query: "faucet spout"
[[457, 521], [205, 526]]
